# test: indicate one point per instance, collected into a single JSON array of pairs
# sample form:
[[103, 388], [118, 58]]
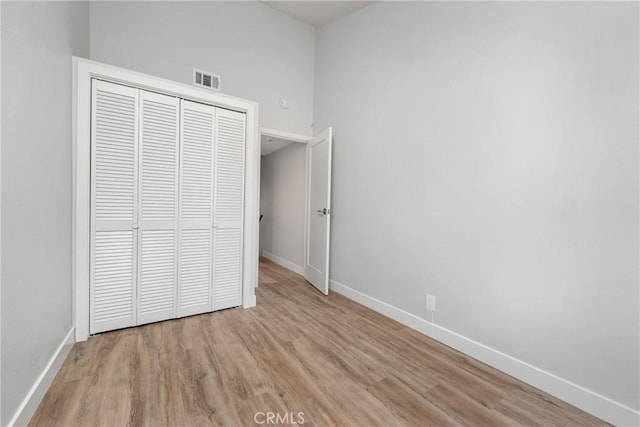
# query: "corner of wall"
[[587, 400], [39, 388]]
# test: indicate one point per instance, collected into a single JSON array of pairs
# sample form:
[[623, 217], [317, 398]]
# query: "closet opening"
[[165, 196]]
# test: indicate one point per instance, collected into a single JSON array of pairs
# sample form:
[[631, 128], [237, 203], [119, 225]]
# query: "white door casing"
[[318, 210]]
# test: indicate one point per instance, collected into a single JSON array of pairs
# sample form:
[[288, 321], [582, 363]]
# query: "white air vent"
[[206, 79]]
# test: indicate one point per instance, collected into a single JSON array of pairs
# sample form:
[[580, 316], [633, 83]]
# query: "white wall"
[[38, 39], [282, 199], [487, 153], [260, 53]]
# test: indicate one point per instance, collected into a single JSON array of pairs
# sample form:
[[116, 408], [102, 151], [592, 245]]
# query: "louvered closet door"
[[114, 171], [228, 205], [196, 211], [158, 233]]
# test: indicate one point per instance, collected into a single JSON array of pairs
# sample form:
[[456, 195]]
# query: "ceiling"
[[317, 13], [269, 144]]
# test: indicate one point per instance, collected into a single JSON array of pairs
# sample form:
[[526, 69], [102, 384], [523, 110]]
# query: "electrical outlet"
[[431, 303]]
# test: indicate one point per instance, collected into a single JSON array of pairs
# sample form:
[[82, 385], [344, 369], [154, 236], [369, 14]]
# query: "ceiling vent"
[[206, 79]]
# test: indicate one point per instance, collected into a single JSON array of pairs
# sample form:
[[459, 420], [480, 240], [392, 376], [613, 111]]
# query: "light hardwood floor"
[[298, 351]]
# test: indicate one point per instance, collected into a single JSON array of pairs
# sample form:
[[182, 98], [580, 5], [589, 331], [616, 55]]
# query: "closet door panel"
[[114, 171], [157, 284], [157, 255], [228, 268], [113, 274], [195, 271], [196, 211], [229, 207]]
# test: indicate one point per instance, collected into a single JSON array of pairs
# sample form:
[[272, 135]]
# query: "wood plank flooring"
[[329, 358]]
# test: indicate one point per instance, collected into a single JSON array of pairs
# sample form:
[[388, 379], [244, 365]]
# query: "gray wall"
[[38, 39], [487, 153], [260, 53], [282, 202]]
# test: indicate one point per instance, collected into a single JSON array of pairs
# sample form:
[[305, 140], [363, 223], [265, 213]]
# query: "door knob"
[[322, 211], [134, 226]]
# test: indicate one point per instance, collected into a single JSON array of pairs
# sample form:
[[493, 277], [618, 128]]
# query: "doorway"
[[282, 201], [289, 177]]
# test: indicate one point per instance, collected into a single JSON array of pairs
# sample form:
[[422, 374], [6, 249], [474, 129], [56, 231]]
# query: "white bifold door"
[[228, 208], [167, 188], [114, 210], [157, 207], [196, 208]]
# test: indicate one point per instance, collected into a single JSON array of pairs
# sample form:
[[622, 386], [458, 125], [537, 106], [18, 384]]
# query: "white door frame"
[[83, 71], [294, 138]]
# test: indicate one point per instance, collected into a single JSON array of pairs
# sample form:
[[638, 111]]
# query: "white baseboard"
[[587, 400], [283, 262], [33, 398]]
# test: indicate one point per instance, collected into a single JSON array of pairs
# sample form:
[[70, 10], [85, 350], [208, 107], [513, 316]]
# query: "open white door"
[[316, 264]]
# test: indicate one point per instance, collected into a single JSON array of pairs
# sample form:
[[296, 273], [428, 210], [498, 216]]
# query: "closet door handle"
[[135, 226]]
